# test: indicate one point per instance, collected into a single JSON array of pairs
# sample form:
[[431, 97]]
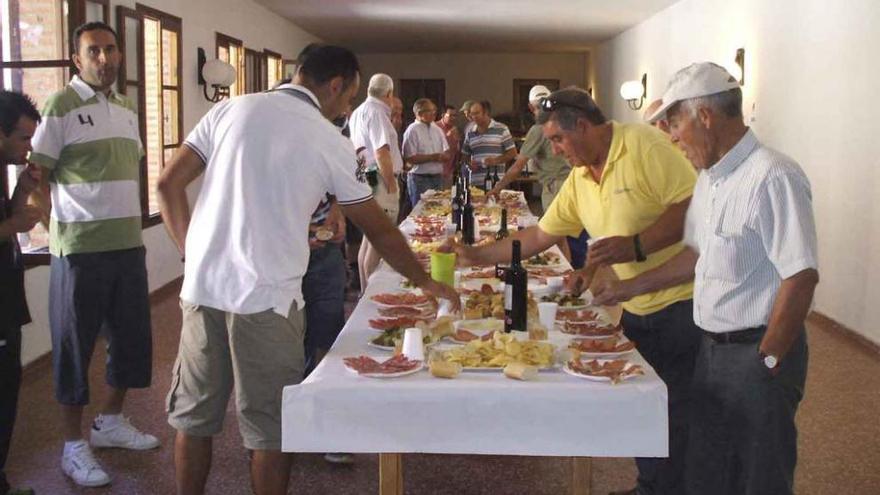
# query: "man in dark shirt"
[[18, 121]]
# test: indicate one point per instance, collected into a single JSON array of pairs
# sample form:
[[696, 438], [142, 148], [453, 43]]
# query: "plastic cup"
[[555, 283], [547, 314], [443, 268], [413, 348]]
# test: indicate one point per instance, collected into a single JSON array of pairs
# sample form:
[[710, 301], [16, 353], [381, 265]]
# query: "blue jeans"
[[669, 340], [324, 292], [416, 184]]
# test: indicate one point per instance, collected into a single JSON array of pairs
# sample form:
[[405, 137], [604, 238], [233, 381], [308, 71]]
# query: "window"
[[255, 73], [35, 59], [231, 51], [151, 76], [274, 68]]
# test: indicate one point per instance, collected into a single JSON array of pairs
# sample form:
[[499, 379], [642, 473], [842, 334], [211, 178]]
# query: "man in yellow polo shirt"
[[630, 189]]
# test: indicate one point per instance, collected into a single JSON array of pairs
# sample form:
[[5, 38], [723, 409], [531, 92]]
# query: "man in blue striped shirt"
[[487, 144]]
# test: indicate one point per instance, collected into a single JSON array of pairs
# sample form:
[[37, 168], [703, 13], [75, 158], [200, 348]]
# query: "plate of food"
[[393, 367], [468, 330], [500, 350], [603, 370], [395, 299], [546, 259], [612, 347], [590, 329], [567, 300], [389, 339], [383, 324], [488, 303], [584, 316]]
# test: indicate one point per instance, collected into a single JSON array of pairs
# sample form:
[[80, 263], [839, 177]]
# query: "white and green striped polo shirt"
[[90, 144]]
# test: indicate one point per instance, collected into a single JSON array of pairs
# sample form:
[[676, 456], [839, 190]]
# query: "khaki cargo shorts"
[[257, 355], [389, 202]]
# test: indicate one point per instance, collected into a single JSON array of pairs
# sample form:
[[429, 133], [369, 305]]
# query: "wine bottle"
[[487, 181], [467, 219], [502, 231], [516, 303], [495, 178], [457, 193]]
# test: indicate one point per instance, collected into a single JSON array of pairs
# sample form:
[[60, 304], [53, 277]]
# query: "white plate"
[[380, 347], [387, 375], [389, 306], [603, 355], [571, 372], [483, 326], [574, 335]]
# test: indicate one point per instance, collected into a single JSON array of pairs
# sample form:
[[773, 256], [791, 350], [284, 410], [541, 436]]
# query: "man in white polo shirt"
[[268, 159], [425, 147], [372, 130], [752, 250]]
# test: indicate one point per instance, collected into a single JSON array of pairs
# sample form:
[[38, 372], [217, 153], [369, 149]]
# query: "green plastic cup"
[[443, 268]]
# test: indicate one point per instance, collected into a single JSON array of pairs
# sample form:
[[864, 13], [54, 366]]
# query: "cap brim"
[[660, 113]]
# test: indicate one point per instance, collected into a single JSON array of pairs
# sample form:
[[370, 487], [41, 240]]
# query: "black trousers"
[[668, 339], [10, 382], [743, 439]]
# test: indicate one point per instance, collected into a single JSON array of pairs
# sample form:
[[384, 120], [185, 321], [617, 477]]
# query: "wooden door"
[[521, 87], [413, 89]]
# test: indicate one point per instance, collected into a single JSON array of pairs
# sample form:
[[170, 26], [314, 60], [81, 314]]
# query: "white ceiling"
[[466, 25]]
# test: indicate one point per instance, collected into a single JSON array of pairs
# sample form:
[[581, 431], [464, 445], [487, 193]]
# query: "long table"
[[335, 410]]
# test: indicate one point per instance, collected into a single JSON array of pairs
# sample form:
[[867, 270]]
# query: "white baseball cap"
[[537, 92], [694, 81]]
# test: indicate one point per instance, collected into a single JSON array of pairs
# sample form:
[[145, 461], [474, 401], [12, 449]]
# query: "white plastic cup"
[[413, 348], [457, 279], [547, 314], [555, 283]]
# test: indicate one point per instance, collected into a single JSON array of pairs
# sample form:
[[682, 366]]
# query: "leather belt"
[[738, 336]]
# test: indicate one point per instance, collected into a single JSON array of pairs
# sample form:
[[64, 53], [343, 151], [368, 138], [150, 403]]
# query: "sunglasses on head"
[[550, 104]]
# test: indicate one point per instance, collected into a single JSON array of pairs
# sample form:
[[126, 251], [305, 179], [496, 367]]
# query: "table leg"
[[390, 475], [581, 475]]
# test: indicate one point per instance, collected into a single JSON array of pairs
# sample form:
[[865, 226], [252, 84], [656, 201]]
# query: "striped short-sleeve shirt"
[[751, 221], [481, 145], [90, 144]]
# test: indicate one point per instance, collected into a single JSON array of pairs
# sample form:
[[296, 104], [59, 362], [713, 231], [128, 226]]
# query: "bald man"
[[661, 124]]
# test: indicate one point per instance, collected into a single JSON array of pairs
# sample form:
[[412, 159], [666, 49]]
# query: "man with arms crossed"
[[89, 146], [751, 240], [246, 250], [630, 187]]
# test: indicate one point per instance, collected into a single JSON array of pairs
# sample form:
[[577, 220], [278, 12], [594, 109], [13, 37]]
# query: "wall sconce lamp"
[[217, 74], [741, 62], [634, 92]]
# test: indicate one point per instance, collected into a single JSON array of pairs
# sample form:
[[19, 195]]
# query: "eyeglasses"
[[550, 104]]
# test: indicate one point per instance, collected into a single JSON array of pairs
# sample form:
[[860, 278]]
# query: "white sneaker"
[[122, 435], [80, 464], [339, 458]]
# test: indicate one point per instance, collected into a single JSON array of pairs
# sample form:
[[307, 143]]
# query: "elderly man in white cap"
[[752, 247]]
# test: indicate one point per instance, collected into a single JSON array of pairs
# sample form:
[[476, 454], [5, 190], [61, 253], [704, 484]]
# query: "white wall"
[[258, 28], [478, 76], [811, 75]]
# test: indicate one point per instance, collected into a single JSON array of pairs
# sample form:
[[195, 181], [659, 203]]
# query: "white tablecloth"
[[335, 410]]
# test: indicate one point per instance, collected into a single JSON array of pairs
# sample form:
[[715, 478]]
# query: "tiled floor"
[[838, 420]]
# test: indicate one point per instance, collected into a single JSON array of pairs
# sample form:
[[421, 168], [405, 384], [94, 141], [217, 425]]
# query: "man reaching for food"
[[630, 190]]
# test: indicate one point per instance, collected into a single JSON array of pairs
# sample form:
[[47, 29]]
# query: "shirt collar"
[[85, 91], [735, 156], [304, 90], [376, 101], [615, 150]]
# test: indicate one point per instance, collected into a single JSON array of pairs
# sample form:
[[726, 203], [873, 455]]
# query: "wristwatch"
[[770, 361], [637, 244]]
